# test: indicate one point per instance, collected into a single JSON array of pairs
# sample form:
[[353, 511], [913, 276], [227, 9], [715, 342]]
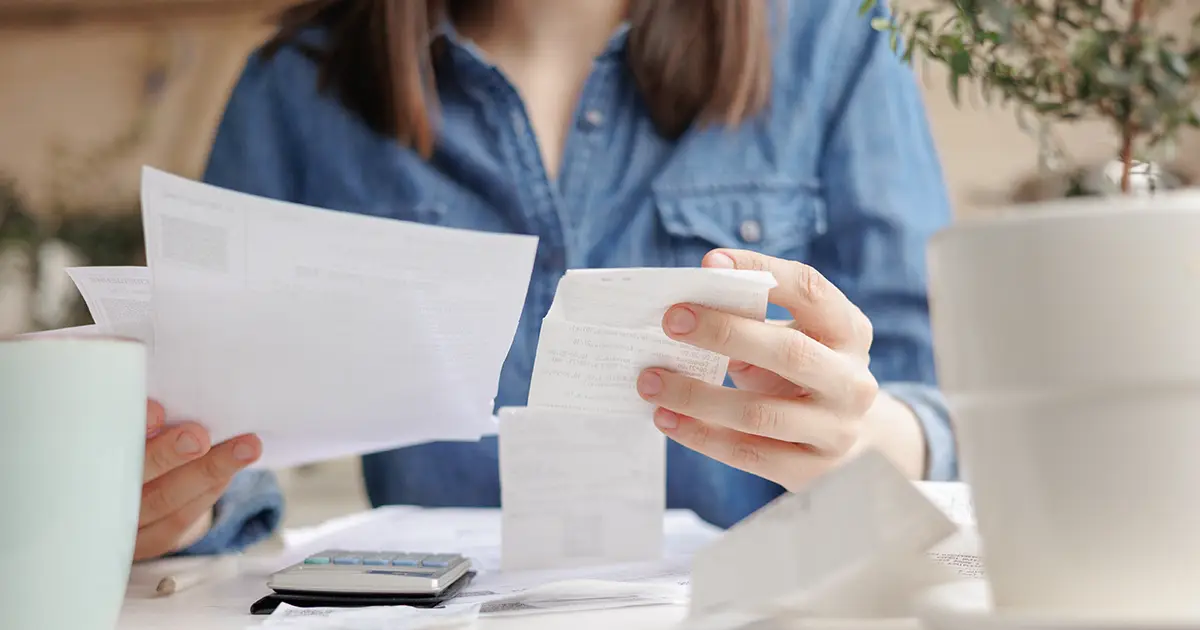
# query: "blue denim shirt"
[[841, 173]]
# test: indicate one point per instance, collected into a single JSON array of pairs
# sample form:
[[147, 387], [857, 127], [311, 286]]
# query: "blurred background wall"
[[92, 89]]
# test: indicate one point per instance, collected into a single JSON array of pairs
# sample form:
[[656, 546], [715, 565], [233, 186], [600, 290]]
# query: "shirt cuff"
[[248, 513], [929, 406]]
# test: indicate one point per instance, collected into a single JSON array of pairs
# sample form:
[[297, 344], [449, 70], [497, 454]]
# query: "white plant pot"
[[1067, 337]]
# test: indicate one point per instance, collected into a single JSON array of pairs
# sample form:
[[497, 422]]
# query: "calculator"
[[340, 571]]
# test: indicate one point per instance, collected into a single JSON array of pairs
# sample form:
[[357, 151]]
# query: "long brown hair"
[[695, 61]]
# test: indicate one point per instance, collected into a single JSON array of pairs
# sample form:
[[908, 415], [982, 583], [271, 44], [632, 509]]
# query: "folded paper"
[[855, 543]]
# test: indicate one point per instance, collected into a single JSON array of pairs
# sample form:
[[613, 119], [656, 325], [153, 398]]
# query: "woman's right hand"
[[184, 476]]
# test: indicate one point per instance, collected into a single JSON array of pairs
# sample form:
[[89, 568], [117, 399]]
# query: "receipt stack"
[[582, 468], [325, 333]]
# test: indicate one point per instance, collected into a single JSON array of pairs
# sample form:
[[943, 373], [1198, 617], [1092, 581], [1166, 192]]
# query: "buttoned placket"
[[539, 209], [584, 141], [554, 209]]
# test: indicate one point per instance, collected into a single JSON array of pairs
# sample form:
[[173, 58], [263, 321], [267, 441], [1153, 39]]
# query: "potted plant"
[[1067, 332], [1063, 61]]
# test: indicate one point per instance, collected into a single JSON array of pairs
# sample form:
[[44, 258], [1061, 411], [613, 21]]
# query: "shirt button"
[[750, 231], [593, 117]]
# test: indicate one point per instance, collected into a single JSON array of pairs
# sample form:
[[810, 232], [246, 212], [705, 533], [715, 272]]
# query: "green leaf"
[[960, 63], [1175, 63], [866, 6], [955, 88], [881, 24]]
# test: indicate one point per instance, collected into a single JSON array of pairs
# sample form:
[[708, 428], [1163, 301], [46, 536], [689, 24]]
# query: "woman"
[[771, 135]]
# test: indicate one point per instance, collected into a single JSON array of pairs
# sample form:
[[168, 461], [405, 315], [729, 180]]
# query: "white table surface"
[[225, 605]]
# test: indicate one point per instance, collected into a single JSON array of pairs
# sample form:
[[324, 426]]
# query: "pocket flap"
[[773, 219]]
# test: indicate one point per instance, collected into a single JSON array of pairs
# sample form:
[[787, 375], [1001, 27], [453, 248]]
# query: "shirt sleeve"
[[927, 403], [885, 197], [249, 512]]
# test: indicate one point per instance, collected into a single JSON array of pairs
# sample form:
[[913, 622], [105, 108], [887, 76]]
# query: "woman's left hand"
[[805, 398]]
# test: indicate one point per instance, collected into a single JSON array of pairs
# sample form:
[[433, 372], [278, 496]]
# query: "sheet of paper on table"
[[856, 541], [373, 618], [326, 333], [569, 595], [578, 595]]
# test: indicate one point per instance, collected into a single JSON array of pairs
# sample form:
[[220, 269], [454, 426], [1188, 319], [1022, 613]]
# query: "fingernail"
[[719, 260], [666, 420], [187, 445], [680, 320], [154, 419], [650, 384], [243, 452]]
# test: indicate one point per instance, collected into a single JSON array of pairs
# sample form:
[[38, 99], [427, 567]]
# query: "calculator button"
[[439, 561], [316, 560], [347, 560], [408, 560]]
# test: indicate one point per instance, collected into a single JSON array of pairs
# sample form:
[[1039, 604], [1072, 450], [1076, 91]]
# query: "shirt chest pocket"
[[776, 220]]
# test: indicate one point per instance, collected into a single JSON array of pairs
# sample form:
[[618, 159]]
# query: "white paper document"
[[605, 327], [579, 595], [580, 489], [373, 618], [953, 497], [325, 333], [118, 299], [818, 550], [960, 552]]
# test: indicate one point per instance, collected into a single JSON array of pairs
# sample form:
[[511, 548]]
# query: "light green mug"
[[72, 444]]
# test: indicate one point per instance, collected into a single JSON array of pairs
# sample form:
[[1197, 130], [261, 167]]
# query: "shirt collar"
[[445, 29]]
